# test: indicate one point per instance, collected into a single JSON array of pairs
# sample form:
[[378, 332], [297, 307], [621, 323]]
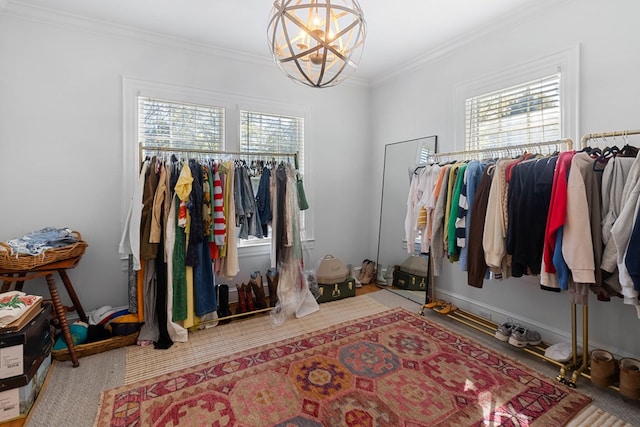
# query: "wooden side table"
[[20, 276]]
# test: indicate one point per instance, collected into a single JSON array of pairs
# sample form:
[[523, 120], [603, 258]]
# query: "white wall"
[[419, 102], [61, 138], [61, 130]]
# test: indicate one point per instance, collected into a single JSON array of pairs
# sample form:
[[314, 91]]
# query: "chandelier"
[[317, 42]]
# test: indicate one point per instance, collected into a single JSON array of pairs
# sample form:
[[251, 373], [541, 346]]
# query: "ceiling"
[[399, 32]]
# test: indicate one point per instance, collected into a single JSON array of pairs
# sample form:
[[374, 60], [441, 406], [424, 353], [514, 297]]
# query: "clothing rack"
[[469, 319], [624, 133], [507, 150], [577, 367], [274, 154]]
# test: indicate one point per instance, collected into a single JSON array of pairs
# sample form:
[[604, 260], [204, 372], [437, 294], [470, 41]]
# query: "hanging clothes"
[[148, 250], [555, 222], [263, 201], [622, 230], [176, 332], [477, 266], [473, 174], [494, 237], [130, 241], [437, 249], [219, 222], [577, 247], [183, 210], [453, 248]]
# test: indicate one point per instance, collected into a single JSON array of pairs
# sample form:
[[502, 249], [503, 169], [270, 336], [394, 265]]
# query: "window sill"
[[260, 248]]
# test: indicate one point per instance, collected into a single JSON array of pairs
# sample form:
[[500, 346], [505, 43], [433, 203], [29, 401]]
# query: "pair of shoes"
[[504, 331], [255, 283], [272, 283], [603, 368], [434, 303], [367, 272], [630, 378], [388, 275], [522, 336], [245, 299], [445, 307], [223, 302]]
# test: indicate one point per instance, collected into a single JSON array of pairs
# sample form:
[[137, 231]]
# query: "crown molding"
[[55, 17], [537, 8], [50, 16]]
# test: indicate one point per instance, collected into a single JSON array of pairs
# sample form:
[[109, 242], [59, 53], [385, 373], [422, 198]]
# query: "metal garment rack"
[[142, 148], [469, 319], [581, 368]]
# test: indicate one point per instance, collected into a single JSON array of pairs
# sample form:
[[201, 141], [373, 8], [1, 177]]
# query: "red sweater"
[[557, 208]]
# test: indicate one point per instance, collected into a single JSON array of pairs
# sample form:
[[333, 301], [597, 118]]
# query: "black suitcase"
[[337, 291], [408, 281]]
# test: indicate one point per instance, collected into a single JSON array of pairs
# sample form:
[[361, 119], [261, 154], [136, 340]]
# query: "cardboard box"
[[20, 350], [17, 401]]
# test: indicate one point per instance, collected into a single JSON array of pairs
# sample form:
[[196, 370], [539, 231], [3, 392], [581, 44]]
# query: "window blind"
[[521, 114], [179, 125], [260, 132]]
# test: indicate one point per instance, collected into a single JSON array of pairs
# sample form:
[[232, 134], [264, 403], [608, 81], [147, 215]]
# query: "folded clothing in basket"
[[36, 242], [78, 330]]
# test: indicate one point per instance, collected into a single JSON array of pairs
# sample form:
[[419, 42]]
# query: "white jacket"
[[130, 241], [622, 228], [614, 177]]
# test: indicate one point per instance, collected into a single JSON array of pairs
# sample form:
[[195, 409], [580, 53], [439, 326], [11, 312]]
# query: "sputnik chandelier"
[[317, 42]]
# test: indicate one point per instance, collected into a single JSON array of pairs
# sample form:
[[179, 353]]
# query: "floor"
[[608, 400], [109, 371]]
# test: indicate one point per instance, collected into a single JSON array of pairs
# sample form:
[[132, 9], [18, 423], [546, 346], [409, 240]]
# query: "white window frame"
[[132, 88], [566, 62]]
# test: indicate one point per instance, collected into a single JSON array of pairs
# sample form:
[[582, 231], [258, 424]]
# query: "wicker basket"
[[28, 262], [96, 347]]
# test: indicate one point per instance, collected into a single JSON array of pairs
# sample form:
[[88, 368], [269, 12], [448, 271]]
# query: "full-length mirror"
[[400, 160]]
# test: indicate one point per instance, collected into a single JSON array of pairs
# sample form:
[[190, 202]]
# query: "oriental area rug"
[[392, 369]]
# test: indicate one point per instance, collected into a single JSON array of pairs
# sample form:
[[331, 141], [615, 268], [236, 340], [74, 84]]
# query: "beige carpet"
[[209, 344]]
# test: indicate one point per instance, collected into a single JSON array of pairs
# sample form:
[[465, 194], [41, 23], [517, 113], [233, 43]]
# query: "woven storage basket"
[[28, 262], [97, 347]]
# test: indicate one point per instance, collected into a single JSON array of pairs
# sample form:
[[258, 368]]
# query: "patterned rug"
[[390, 369]]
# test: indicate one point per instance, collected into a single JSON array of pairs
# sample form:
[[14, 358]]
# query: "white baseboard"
[[550, 334]]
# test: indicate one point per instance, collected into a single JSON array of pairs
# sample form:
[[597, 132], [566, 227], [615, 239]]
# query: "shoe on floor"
[[521, 337], [630, 378], [603, 366], [504, 331]]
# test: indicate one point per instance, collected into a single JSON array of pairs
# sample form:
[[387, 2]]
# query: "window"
[[521, 114], [180, 125], [260, 132], [263, 132], [185, 118], [530, 102]]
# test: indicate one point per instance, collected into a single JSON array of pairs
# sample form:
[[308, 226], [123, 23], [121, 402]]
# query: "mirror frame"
[[428, 142]]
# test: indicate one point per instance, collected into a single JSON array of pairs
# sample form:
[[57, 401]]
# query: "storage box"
[[337, 291], [20, 350], [408, 281], [17, 401]]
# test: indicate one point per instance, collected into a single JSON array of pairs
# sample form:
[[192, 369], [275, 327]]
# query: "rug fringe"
[[593, 416]]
